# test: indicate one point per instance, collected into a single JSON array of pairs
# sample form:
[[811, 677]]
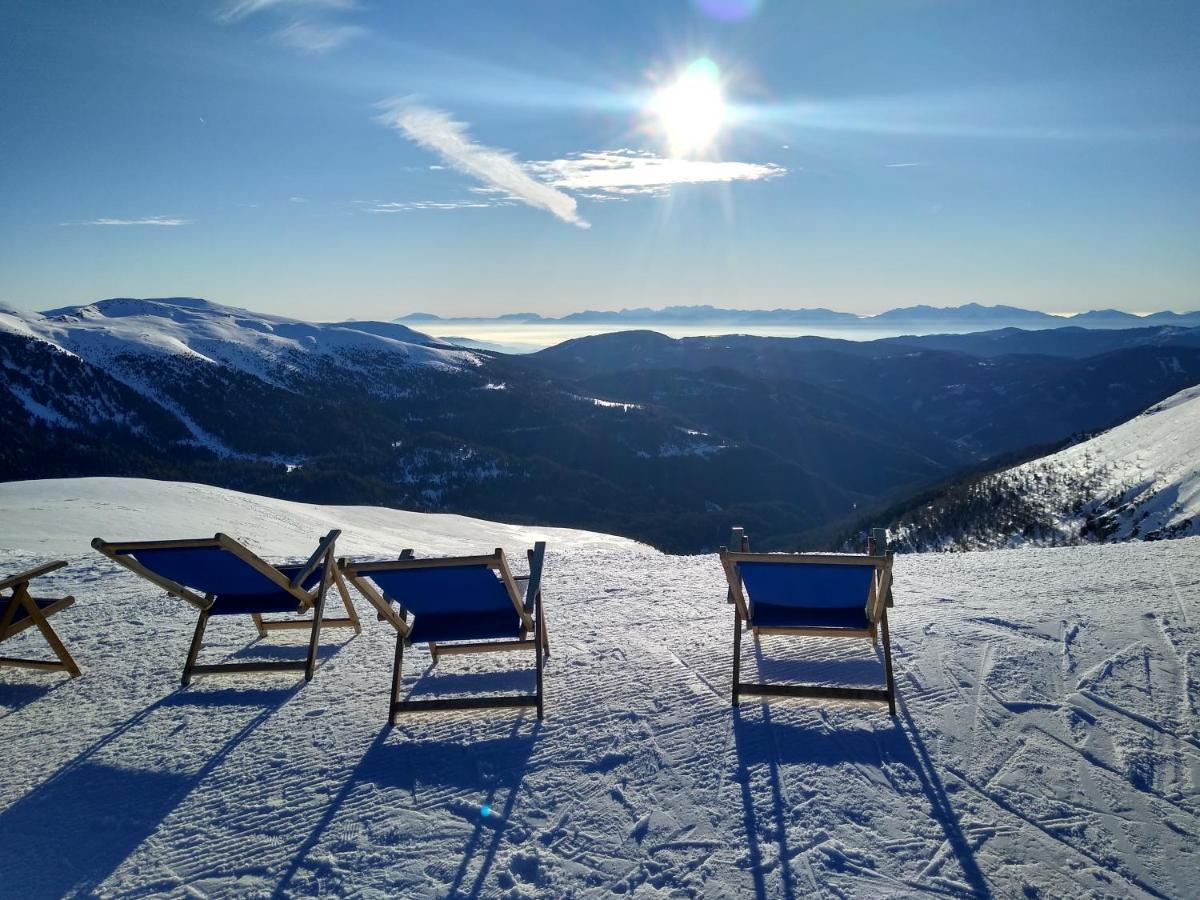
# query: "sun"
[[691, 111]]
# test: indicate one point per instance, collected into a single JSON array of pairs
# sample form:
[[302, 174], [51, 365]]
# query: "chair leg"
[[194, 650], [258, 623], [737, 654], [397, 663], [59, 648], [538, 652], [344, 592], [544, 632], [314, 640], [887, 664]]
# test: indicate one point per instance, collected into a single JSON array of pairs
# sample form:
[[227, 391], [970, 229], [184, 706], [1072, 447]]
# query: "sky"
[[333, 159]]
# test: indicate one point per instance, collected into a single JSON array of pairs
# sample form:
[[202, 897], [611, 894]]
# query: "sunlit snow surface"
[[1047, 740]]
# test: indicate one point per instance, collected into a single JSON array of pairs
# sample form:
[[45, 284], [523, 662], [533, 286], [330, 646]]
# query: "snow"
[[220, 335], [1047, 743], [1140, 479]]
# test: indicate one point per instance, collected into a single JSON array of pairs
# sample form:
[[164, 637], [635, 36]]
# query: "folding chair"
[[465, 604], [220, 577], [811, 595], [19, 610]]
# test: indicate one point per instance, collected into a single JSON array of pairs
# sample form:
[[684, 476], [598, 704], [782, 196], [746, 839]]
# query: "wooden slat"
[[264, 568], [42, 665], [134, 546], [286, 666], [821, 692], [315, 560], [735, 584], [433, 562], [33, 573], [377, 600], [113, 552], [451, 703], [484, 647], [817, 559], [816, 632], [300, 624], [28, 622], [511, 587]]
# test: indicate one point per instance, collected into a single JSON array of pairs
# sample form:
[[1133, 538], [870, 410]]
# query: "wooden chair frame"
[[35, 615], [313, 599], [530, 610], [878, 601]]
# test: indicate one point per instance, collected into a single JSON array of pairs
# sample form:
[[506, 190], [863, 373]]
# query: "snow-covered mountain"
[[1138, 480], [1045, 745], [266, 346]]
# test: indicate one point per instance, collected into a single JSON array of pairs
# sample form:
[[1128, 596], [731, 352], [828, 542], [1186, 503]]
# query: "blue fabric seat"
[[807, 595], [22, 614], [237, 587], [767, 615], [452, 603]]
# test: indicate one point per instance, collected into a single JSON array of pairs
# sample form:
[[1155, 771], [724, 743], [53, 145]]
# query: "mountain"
[[667, 441], [974, 314], [979, 407], [924, 319], [1072, 342], [1044, 747], [1140, 480]]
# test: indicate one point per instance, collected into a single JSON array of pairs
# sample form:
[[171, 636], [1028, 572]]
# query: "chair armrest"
[[323, 548], [534, 585], [41, 570]]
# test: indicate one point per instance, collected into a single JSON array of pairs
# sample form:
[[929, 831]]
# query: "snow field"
[[1047, 742]]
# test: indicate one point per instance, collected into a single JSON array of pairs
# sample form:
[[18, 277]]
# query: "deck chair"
[[220, 577], [465, 604], [20, 610], [811, 595]]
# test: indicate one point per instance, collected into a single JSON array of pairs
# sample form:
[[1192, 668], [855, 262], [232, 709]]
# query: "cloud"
[[498, 169], [241, 9], [902, 165], [608, 174], [410, 205], [149, 220], [311, 37]]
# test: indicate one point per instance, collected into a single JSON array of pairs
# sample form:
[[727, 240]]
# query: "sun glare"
[[691, 111]]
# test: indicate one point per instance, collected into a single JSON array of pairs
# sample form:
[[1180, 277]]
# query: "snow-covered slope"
[[58, 516], [1138, 480], [1047, 743], [192, 328]]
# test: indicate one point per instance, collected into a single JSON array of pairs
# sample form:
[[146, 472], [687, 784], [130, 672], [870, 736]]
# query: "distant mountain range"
[[970, 316], [668, 441]]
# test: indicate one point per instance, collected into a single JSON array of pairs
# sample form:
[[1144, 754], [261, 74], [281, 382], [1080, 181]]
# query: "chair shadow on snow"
[[16, 696], [487, 772], [762, 741], [74, 830]]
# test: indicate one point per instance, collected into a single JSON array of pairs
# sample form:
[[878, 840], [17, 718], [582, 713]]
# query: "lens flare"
[[691, 111]]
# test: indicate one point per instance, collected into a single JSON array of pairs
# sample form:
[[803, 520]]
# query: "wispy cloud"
[[409, 205], [149, 220], [316, 37], [902, 165], [241, 9], [498, 169], [608, 174]]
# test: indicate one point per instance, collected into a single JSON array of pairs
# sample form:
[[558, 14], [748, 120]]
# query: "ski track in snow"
[[1047, 741]]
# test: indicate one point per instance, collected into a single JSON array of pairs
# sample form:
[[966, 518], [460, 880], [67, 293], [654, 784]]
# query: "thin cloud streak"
[[498, 169], [316, 38], [149, 220], [611, 173], [242, 9]]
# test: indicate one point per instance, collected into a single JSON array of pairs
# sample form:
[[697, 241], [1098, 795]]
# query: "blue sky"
[[331, 158]]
